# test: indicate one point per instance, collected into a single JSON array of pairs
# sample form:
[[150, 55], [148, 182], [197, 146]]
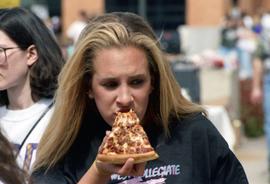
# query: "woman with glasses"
[[30, 61]]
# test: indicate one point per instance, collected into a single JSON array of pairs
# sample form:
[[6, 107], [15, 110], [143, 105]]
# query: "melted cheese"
[[122, 130]]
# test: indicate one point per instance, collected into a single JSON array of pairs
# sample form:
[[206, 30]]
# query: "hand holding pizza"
[[100, 172], [129, 168]]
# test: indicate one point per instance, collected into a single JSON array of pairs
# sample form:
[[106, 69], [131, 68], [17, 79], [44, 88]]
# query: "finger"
[[108, 133], [104, 139], [138, 169], [127, 167]]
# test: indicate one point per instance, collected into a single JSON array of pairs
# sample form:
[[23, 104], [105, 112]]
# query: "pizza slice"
[[127, 139]]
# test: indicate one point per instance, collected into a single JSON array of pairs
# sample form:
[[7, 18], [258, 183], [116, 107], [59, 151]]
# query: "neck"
[[20, 103], [20, 97]]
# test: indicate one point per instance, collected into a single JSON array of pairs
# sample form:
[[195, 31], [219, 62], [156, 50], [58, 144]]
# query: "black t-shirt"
[[195, 153], [229, 37]]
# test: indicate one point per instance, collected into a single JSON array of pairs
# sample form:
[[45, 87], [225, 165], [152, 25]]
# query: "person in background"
[[118, 65], [228, 42], [246, 47], [10, 172], [30, 61], [74, 30], [260, 91]]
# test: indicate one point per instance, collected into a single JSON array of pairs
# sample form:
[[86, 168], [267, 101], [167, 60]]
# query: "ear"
[[90, 94], [32, 55], [152, 85], [152, 89]]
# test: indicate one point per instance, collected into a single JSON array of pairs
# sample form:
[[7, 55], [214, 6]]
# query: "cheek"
[[101, 101], [104, 103], [19, 72], [146, 93], [143, 100], [13, 76], [18, 67], [101, 98]]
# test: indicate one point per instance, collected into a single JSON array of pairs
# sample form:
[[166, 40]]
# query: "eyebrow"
[[131, 77], [6, 46], [138, 76]]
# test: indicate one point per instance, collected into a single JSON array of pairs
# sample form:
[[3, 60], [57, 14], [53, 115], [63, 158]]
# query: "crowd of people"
[[246, 40], [58, 112]]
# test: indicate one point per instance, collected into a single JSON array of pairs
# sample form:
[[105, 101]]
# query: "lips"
[[124, 110]]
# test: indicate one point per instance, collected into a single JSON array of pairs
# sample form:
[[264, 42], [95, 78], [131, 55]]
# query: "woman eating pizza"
[[117, 96]]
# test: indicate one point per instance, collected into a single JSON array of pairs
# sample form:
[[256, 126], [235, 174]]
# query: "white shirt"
[[16, 124], [75, 29]]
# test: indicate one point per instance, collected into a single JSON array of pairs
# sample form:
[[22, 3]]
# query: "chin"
[[110, 121]]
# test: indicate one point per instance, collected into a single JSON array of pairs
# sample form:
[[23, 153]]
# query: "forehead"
[[123, 60]]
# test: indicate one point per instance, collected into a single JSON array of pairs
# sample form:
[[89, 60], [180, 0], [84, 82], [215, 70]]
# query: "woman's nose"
[[124, 97]]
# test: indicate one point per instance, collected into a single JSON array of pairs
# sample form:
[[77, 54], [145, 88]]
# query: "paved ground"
[[252, 155]]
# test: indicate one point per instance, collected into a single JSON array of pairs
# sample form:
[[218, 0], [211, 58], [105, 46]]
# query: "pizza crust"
[[122, 158]]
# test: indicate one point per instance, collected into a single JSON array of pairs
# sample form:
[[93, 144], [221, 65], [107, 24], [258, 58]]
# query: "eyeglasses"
[[3, 54]]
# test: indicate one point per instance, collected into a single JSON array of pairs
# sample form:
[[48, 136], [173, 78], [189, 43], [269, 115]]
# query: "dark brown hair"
[[10, 173]]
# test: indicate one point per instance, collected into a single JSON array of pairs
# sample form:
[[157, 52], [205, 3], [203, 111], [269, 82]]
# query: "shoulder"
[[198, 129], [196, 122], [208, 148]]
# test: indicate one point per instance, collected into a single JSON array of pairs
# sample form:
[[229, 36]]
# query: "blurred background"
[[210, 45]]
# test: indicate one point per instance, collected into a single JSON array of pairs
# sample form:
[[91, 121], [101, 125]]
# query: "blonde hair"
[[71, 102]]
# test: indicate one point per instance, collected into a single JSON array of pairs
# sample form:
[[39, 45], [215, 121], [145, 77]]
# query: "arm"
[[256, 92], [93, 175], [101, 172], [229, 170], [225, 166]]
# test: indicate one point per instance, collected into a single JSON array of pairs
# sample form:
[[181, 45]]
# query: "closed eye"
[[137, 82], [110, 84]]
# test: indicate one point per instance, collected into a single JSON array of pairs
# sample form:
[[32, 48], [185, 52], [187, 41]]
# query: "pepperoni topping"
[[127, 136]]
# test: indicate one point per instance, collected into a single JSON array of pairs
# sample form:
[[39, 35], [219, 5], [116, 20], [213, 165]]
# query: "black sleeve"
[[229, 170], [225, 167], [213, 161]]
